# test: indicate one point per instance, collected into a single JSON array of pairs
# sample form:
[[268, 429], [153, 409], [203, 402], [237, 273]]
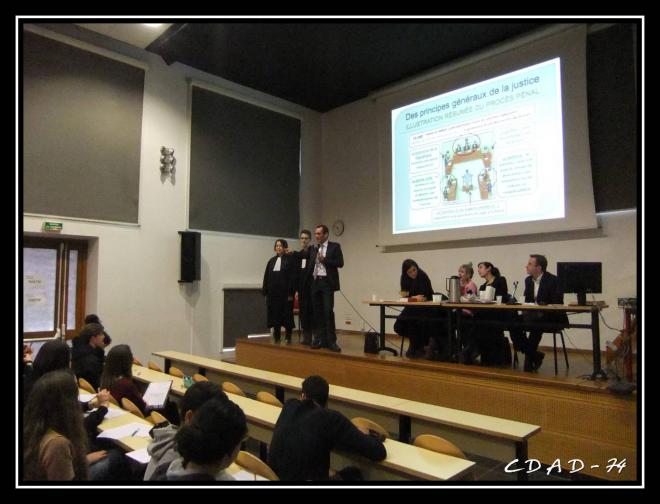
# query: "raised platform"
[[580, 419]]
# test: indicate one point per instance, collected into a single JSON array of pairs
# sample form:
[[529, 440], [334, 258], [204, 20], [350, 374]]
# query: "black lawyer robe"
[[278, 286]]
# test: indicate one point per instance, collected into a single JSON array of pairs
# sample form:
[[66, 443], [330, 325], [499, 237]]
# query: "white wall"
[[133, 270], [350, 185]]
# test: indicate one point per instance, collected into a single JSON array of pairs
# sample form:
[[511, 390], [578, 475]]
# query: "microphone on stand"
[[512, 299]]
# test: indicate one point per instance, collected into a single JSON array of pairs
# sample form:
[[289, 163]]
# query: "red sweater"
[[124, 387]]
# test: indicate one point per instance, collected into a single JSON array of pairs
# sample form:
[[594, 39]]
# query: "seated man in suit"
[[541, 288]]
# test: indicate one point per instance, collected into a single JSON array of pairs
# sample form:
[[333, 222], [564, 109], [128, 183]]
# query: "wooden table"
[[457, 309]]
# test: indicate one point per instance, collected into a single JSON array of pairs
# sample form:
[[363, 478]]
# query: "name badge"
[[304, 263]]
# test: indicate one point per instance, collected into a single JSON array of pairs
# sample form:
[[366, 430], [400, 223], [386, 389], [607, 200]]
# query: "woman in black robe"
[[279, 287]]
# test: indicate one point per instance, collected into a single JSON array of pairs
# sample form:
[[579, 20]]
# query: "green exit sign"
[[52, 227]]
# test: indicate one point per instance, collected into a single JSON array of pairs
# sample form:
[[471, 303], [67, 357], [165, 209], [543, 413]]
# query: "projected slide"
[[488, 153]]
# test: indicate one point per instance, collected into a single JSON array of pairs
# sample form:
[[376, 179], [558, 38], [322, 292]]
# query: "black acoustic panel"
[[244, 167], [82, 128], [191, 256], [612, 73]]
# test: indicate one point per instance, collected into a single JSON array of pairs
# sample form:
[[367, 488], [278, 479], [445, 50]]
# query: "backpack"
[[371, 342]]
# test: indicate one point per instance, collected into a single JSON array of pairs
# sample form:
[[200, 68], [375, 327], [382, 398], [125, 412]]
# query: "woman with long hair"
[[53, 355], [415, 284], [54, 439], [493, 346], [117, 376], [493, 278]]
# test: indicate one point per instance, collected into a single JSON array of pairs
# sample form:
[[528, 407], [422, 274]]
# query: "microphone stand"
[[512, 300]]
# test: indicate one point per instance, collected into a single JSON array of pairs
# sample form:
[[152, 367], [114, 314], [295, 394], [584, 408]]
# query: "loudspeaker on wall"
[[191, 256]]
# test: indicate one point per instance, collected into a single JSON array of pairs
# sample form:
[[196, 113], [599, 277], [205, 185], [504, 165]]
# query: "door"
[[54, 272]]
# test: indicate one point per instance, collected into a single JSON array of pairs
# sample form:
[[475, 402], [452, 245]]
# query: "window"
[[54, 272]]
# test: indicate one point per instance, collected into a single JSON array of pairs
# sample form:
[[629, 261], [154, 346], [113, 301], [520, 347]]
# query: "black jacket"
[[334, 259], [304, 436], [549, 293], [420, 285], [87, 362]]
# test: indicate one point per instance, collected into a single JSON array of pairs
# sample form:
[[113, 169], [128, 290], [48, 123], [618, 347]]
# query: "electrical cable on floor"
[[358, 313]]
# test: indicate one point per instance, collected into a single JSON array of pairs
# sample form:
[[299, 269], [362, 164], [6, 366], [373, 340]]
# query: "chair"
[[130, 406], [174, 371], [563, 345], [253, 464], [554, 350], [438, 444], [230, 388], [198, 378], [86, 386], [136, 361], [268, 398], [154, 366], [364, 423], [156, 418]]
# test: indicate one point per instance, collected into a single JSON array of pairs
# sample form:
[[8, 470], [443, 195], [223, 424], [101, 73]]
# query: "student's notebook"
[[156, 393]]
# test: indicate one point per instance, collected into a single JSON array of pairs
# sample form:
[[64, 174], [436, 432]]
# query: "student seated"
[[162, 449], [88, 353], [207, 445], [54, 439], [306, 432], [117, 377]]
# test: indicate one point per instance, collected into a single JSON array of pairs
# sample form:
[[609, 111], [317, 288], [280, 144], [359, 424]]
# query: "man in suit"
[[324, 260], [304, 287], [541, 288]]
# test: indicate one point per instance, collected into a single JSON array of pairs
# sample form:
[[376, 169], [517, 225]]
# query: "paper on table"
[[86, 397], [141, 455], [134, 429], [156, 393], [115, 412]]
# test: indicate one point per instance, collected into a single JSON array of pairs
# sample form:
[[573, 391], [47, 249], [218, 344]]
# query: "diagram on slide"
[[465, 159], [488, 153]]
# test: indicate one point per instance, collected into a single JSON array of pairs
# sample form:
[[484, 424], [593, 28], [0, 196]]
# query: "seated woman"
[[53, 355], [465, 274], [105, 461], [468, 289], [54, 439], [415, 324], [117, 377], [207, 445], [489, 339]]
